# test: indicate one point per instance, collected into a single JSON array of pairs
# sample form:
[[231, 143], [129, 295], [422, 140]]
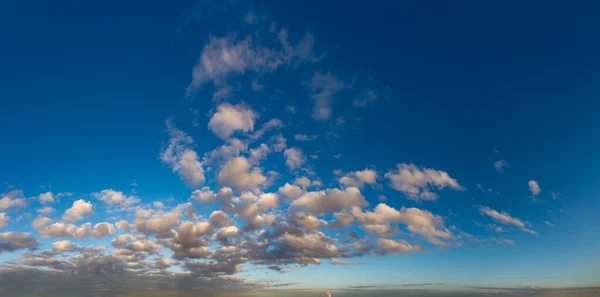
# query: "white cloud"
[[203, 195], [272, 124], [324, 87], [232, 118], [4, 219], [79, 209], [500, 165], [225, 57], [46, 210], [290, 191], [47, 197], [182, 158], [505, 218], [359, 178], [65, 230], [280, 143], [534, 188], [304, 137], [548, 224], [112, 197], [12, 199], [237, 173], [417, 183], [294, 158], [64, 246], [160, 222], [394, 246], [220, 219], [102, 229], [259, 153], [330, 200], [418, 221]]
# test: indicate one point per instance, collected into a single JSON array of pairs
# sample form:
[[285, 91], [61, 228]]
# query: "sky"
[[265, 145]]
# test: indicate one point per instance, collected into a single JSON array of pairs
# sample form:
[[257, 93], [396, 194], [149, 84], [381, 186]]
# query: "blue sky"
[[481, 117]]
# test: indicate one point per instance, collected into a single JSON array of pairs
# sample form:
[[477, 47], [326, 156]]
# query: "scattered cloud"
[[232, 118], [182, 158], [324, 87], [500, 165], [534, 188], [505, 218], [418, 183]]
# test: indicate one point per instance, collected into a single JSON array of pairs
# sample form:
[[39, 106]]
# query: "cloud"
[[112, 197], [232, 118], [359, 178], [272, 124], [548, 224], [12, 199], [4, 219], [64, 246], [500, 165], [393, 246], [65, 230], [294, 158], [47, 197], [304, 137], [182, 158], [505, 218], [290, 191], [324, 87], [416, 220], [12, 241], [417, 183], [228, 56], [102, 229], [78, 211], [534, 188], [239, 174], [330, 200], [46, 210]]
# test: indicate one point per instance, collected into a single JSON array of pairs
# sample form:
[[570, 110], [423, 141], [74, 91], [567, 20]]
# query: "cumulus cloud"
[[12, 241], [359, 178], [505, 218], [12, 199], [47, 197], [239, 174], [182, 158], [294, 158], [290, 191], [4, 219], [500, 165], [112, 197], [417, 183], [102, 229], [534, 188], [65, 230], [46, 210], [64, 246], [416, 220], [330, 200], [232, 118], [324, 87], [78, 211], [393, 246], [157, 223]]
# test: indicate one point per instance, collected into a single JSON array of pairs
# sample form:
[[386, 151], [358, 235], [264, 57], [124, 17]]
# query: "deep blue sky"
[[86, 88]]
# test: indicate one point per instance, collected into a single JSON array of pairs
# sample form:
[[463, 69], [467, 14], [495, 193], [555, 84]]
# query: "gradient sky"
[[482, 117]]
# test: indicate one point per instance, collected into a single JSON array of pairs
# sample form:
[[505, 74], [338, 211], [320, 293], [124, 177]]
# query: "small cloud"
[[500, 165], [548, 224], [534, 188]]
